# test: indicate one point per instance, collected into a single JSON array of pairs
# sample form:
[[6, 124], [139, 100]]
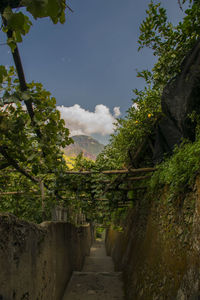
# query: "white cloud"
[[81, 121], [135, 105], [117, 111]]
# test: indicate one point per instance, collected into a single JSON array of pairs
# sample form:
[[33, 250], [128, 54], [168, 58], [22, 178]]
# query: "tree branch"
[[111, 172], [70, 9], [14, 163], [22, 81]]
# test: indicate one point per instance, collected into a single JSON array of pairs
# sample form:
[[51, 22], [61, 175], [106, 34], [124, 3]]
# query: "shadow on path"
[[97, 281]]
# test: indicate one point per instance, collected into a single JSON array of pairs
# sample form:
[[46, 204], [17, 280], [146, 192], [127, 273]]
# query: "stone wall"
[[36, 261], [159, 249]]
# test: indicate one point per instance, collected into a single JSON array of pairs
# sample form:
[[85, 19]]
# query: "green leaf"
[[7, 13], [36, 7], [3, 73], [25, 96]]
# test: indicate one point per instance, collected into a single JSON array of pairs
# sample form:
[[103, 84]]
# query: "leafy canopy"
[[32, 131], [19, 23]]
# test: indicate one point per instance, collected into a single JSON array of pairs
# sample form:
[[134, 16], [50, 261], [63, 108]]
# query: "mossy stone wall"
[[159, 249]]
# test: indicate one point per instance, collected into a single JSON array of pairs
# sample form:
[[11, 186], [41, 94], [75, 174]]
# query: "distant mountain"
[[86, 144]]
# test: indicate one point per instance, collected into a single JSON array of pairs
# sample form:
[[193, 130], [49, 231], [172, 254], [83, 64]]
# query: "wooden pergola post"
[[43, 199]]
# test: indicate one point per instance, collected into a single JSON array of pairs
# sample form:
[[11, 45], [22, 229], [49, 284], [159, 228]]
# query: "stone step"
[[97, 250], [94, 286], [100, 264], [101, 252]]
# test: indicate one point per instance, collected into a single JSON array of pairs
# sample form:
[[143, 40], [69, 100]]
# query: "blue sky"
[[92, 58]]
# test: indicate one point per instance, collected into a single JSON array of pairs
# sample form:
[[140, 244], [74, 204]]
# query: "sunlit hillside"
[[69, 161], [85, 144]]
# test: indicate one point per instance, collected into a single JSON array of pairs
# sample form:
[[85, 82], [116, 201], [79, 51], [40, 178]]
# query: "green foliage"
[[131, 130], [32, 132], [170, 44], [118, 217], [55, 9], [179, 171], [28, 203], [3, 73], [99, 231], [18, 23], [19, 135], [41, 157], [35, 143], [83, 164]]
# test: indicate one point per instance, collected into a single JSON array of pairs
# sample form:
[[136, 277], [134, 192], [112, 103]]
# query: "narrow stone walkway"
[[97, 281]]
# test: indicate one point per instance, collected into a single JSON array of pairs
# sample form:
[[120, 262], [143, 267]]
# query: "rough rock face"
[[180, 97], [159, 250]]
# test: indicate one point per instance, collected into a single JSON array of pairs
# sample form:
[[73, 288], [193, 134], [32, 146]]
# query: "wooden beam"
[[79, 172], [41, 184], [17, 192], [129, 171], [143, 170], [130, 178], [111, 172], [107, 172], [139, 178], [11, 193]]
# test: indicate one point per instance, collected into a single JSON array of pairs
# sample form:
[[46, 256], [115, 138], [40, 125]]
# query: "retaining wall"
[[159, 249], [36, 261]]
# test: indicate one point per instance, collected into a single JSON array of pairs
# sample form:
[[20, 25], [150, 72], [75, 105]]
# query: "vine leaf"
[[3, 73]]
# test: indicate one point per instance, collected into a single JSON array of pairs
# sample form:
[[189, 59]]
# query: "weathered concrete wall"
[[159, 250], [36, 261]]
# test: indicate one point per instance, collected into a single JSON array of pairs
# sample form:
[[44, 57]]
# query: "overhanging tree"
[[32, 132]]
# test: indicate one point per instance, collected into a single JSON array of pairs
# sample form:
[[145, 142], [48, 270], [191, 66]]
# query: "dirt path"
[[97, 281]]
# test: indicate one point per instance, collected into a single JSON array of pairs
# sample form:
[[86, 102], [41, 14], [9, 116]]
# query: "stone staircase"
[[97, 281]]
